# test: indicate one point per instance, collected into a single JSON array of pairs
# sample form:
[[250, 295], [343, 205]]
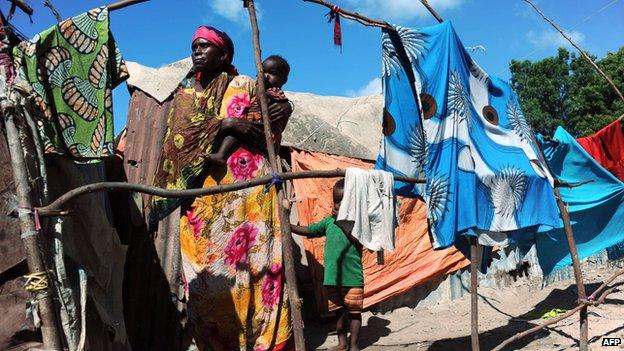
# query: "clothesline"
[[54, 207]]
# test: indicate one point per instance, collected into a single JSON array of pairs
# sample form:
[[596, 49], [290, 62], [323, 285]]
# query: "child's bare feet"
[[339, 348]]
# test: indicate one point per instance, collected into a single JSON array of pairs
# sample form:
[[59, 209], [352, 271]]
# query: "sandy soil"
[[502, 313]]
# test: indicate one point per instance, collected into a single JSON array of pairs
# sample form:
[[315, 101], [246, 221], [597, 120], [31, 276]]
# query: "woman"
[[231, 242]]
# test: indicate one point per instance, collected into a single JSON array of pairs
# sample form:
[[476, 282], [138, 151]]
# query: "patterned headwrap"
[[220, 40]]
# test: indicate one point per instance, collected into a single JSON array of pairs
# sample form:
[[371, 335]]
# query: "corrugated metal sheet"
[[331, 124], [152, 288]]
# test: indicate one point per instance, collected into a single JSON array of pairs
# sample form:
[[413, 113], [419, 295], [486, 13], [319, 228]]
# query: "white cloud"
[[401, 10], [549, 38], [232, 10], [371, 88]]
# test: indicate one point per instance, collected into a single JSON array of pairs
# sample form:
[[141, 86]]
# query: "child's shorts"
[[350, 298]]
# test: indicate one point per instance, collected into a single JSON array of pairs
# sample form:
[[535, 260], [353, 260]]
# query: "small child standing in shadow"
[[343, 275]]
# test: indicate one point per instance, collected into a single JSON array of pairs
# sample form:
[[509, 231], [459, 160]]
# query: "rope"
[[276, 179], [36, 282]]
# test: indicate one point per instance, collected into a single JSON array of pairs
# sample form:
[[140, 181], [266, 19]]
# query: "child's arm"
[[314, 230], [299, 230]]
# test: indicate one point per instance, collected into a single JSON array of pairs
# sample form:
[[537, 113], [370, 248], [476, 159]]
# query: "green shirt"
[[343, 260]]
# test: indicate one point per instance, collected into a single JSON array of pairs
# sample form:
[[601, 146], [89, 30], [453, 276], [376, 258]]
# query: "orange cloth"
[[606, 146], [412, 263]]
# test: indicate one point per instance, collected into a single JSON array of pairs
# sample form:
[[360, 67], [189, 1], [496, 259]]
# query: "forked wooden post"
[[283, 206], [474, 249], [38, 277]]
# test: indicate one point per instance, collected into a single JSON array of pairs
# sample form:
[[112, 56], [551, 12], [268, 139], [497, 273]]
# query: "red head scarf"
[[220, 40]]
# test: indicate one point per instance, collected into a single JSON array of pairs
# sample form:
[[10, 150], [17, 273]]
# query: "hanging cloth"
[[607, 147], [446, 119], [73, 68]]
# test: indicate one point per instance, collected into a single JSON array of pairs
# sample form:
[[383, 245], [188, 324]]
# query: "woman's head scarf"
[[219, 39]]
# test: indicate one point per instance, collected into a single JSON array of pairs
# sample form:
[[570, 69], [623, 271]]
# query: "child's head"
[[337, 193], [276, 70]]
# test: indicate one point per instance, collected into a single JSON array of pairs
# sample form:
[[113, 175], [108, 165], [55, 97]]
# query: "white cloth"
[[369, 205]]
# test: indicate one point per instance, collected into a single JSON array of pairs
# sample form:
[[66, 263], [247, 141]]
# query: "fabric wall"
[[596, 209], [413, 262]]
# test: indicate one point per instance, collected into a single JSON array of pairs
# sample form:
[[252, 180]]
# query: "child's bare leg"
[[354, 329], [341, 329], [229, 144]]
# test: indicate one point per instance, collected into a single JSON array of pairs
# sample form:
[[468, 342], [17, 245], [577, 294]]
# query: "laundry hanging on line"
[[607, 147], [596, 208], [72, 69], [463, 130], [369, 205]]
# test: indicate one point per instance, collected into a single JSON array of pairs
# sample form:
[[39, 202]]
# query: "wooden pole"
[[567, 314], [474, 297], [432, 11], [578, 275], [40, 288], [353, 15], [54, 208], [583, 53], [576, 264], [282, 207], [23, 6], [124, 3]]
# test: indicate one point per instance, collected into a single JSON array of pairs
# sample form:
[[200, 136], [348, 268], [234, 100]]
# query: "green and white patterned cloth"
[[72, 68]]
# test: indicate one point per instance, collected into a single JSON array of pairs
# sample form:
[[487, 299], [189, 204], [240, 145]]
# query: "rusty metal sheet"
[[153, 311]]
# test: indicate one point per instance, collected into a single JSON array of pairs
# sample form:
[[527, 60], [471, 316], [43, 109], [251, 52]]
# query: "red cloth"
[[607, 147], [219, 39]]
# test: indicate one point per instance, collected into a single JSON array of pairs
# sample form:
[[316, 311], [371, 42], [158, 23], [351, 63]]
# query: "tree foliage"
[[565, 90]]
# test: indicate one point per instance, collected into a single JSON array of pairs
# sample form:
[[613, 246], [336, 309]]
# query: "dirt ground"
[[502, 313]]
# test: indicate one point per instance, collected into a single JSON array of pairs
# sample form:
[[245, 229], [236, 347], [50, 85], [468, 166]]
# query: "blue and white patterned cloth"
[[474, 145]]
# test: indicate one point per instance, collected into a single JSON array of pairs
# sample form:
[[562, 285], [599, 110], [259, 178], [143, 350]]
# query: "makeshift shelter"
[[349, 128]]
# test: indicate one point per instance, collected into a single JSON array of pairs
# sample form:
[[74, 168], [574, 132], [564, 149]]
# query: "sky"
[[158, 32]]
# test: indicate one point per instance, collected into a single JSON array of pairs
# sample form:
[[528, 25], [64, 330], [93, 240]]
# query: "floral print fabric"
[[192, 126], [232, 254]]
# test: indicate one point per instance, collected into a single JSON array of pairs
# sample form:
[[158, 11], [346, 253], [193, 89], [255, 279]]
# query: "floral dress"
[[232, 252]]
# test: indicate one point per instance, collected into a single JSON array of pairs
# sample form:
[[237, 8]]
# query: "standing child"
[[343, 276]]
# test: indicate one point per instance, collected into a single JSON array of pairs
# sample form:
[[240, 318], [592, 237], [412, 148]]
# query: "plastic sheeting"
[[413, 262]]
